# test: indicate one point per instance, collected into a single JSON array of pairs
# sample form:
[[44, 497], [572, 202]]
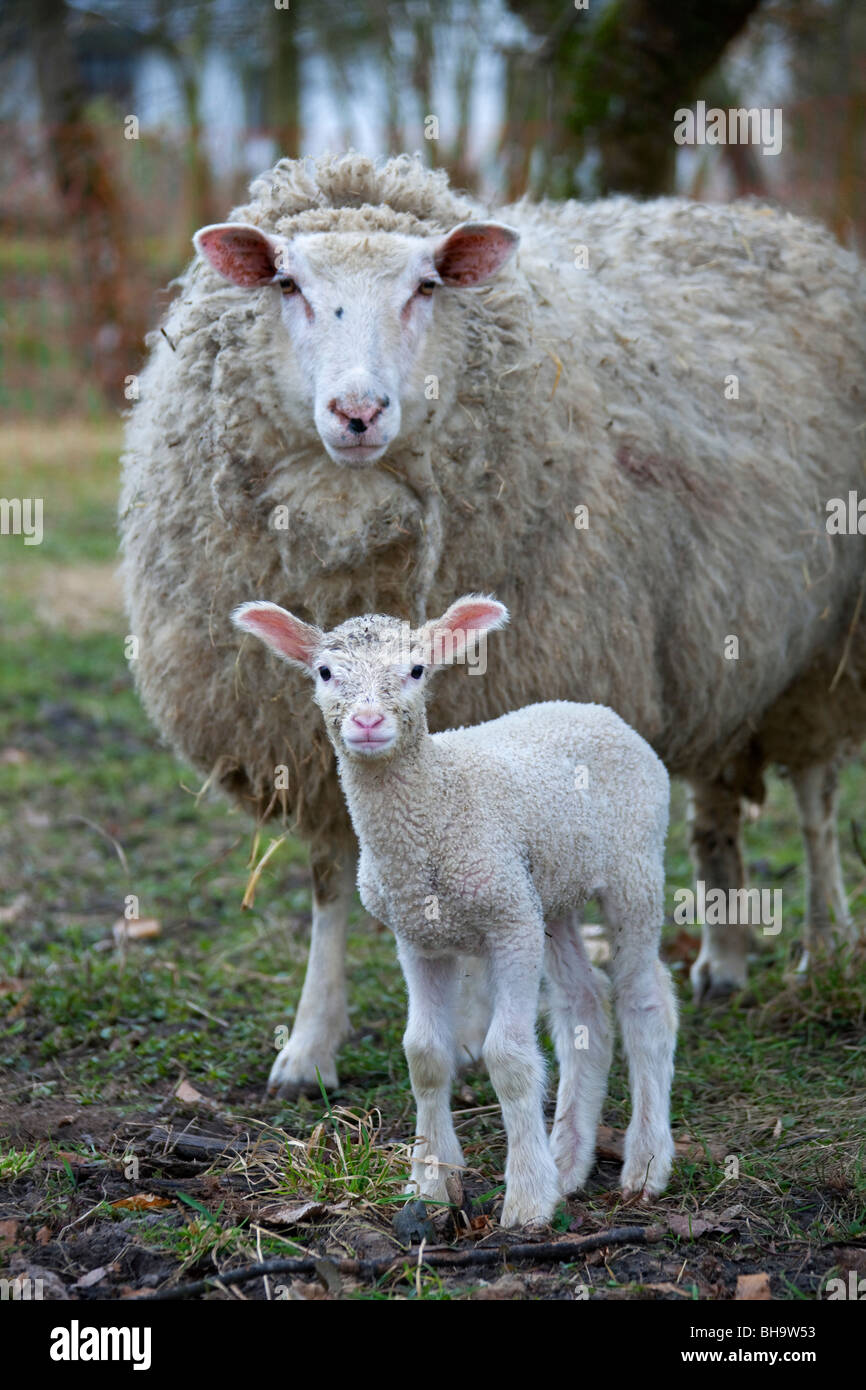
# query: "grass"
[[95, 1036]]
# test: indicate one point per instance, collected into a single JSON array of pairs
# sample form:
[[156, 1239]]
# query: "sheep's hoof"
[[646, 1195], [299, 1074], [707, 986]]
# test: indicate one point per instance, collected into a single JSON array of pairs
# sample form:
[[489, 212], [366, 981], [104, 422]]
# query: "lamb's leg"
[[817, 791], [429, 1045], [714, 814], [322, 1019], [473, 1010], [516, 1067], [647, 1012], [579, 1015]]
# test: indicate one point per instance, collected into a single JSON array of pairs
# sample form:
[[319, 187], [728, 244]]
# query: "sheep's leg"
[[579, 1015], [516, 1067], [473, 1010], [817, 792], [322, 1019], [714, 814], [647, 1012], [429, 1045]]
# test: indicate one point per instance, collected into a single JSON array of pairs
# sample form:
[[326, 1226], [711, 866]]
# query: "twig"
[[557, 1252]]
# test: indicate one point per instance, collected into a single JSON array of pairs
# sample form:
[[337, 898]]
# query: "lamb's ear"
[[460, 626], [281, 631], [473, 251], [241, 253]]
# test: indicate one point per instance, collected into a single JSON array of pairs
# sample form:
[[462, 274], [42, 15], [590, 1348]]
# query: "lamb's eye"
[[325, 672], [417, 672], [288, 285], [427, 287]]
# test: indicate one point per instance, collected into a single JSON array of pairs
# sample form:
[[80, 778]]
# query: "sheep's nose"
[[356, 415], [370, 720]]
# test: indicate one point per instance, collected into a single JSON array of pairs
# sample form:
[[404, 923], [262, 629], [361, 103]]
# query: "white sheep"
[[487, 842]]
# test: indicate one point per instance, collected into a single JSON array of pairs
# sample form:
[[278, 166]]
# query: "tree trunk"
[[92, 203], [620, 78]]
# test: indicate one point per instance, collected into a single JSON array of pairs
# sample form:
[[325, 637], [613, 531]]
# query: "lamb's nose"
[[372, 720], [357, 425]]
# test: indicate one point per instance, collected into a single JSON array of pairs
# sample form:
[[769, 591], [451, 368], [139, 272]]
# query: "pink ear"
[[281, 631], [464, 621], [474, 251], [238, 251]]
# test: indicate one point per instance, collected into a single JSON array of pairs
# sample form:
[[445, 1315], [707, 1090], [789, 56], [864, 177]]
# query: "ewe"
[[488, 841]]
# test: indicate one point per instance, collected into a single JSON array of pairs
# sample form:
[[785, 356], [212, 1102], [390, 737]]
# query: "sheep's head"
[[356, 310], [372, 674]]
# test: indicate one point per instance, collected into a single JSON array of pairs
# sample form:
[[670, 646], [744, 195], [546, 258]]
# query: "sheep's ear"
[[281, 631], [473, 251], [241, 253], [461, 625]]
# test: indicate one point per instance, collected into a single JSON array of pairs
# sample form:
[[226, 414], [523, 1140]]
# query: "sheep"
[[487, 842], [629, 428]]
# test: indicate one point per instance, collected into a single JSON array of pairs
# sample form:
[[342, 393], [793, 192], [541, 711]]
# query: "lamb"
[[625, 418], [487, 842]]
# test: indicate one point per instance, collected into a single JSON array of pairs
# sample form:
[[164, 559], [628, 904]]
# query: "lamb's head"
[[372, 674], [356, 310]]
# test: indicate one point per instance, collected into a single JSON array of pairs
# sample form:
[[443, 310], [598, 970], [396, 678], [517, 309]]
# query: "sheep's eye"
[[417, 672], [325, 672], [427, 287], [288, 285]]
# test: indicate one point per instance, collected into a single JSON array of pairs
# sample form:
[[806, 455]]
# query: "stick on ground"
[[558, 1251]]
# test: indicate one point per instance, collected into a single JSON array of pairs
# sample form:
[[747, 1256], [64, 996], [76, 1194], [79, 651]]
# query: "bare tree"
[[89, 194], [609, 79]]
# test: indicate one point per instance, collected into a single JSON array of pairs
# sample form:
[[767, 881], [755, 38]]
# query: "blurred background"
[[124, 127], [127, 125]]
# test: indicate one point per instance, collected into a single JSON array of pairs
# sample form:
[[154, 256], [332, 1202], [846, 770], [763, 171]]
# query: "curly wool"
[[559, 386]]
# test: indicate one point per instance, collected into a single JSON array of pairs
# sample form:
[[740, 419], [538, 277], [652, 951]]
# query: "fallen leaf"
[[66, 1120], [9, 984], [43, 1235], [187, 1093], [95, 1276], [777, 1128], [691, 1225], [753, 1287], [294, 1213], [142, 1201], [670, 1288], [136, 929]]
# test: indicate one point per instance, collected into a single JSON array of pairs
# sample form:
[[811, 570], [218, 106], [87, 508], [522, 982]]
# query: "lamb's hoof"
[[530, 1210], [645, 1195], [647, 1178], [300, 1073]]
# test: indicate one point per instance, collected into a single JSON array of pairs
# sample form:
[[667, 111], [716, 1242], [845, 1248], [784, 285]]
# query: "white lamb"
[[488, 841]]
